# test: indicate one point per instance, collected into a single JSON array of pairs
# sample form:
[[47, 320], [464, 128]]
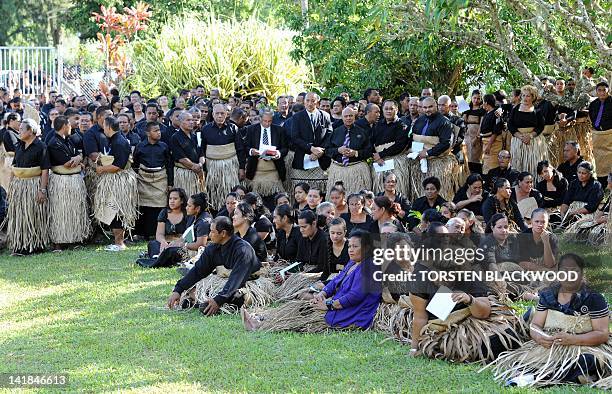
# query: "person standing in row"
[[116, 198], [310, 133], [225, 157], [389, 141], [69, 218], [28, 210], [187, 156], [349, 148], [527, 147], [152, 162], [266, 173], [600, 112]]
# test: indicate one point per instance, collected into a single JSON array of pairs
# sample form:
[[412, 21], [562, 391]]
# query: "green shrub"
[[247, 57]]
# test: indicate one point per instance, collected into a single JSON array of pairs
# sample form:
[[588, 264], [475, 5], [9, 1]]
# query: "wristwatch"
[[43, 191], [330, 304]]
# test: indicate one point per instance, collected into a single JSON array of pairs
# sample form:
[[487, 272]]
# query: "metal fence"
[[34, 70]]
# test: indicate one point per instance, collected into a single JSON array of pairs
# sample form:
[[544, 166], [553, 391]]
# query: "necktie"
[[424, 132], [599, 115], [265, 139], [312, 120], [347, 140]]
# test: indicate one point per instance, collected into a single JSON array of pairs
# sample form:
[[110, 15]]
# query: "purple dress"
[[359, 303]]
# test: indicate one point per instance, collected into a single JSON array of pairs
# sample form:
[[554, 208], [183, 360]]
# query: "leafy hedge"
[[247, 57]]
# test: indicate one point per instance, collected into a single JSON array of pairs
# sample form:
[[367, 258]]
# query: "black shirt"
[[77, 140], [475, 207], [280, 119], [314, 252], [553, 199], [570, 171], [436, 125], [95, 141], [236, 255], [337, 263], [508, 173], [529, 249], [423, 288], [212, 135], [364, 124], [421, 204], [495, 253], [35, 155], [61, 150], [173, 229], [185, 147], [11, 137], [120, 150], [491, 124], [286, 246], [591, 193], [257, 243], [606, 118], [154, 156], [350, 226], [132, 137], [519, 119], [386, 132], [490, 208], [548, 111]]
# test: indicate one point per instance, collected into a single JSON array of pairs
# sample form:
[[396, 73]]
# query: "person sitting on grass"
[[570, 337], [181, 249], [479, 327], [228, 250], [345, 302], [171, 223]]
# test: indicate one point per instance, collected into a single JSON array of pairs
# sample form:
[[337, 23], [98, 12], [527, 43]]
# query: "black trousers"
[[146, 224]]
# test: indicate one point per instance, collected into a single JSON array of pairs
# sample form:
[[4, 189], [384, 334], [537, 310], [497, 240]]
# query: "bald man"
[[187, 156], [310, 133], [435, 132], [349, 148], [223, 147]]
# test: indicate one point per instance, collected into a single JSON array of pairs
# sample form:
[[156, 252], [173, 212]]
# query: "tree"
[[535, 37], [32, 22], [355, 45]]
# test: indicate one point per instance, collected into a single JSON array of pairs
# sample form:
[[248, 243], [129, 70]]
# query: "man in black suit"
[[265, 167], [310, 132]]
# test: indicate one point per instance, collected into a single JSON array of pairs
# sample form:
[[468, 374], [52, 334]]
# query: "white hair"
[[32, 125]]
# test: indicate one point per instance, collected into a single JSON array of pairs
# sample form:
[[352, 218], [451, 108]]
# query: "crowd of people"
[[263, 204]]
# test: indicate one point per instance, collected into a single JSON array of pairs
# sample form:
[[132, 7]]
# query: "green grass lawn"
[[100, 319]]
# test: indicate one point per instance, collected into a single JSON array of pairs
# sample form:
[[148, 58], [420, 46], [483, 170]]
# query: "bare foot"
[[250, 323]]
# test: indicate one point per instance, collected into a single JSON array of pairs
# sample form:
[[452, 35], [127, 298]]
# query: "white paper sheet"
[[441, 304], [309, 164], [388, 166], [462, 105], [417, 146]]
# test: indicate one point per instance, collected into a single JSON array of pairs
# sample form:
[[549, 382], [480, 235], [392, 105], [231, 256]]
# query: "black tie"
[[265, 139]]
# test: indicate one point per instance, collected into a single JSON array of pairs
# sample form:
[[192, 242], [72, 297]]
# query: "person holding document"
[[349, 148], [431, 151], [310, 132], [266, 149], [457, 320], [389, 139]]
